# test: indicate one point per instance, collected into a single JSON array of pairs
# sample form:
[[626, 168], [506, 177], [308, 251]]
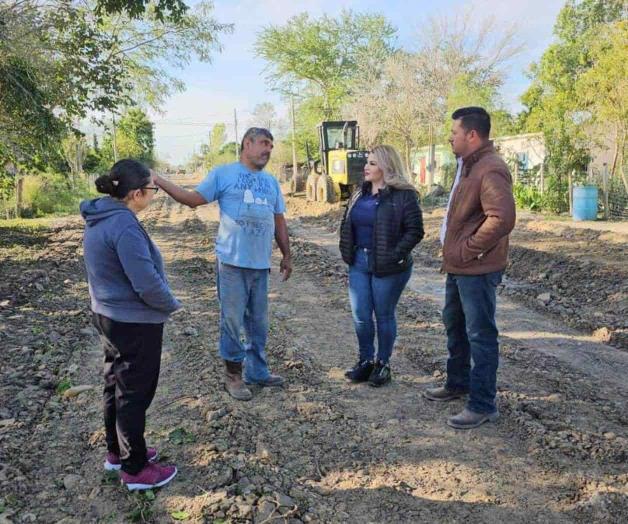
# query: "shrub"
[[52, 194], [528, 197]]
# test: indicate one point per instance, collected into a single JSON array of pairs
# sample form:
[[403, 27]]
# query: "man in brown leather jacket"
[[480, 216]]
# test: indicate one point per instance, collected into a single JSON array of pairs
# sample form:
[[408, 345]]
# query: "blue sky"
[[235, 79]]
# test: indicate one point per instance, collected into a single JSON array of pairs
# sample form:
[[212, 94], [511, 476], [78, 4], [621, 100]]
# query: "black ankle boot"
[[380, 374], [360, 372]]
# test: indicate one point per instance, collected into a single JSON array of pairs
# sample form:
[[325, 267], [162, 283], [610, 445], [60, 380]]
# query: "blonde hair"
[[389, 161]]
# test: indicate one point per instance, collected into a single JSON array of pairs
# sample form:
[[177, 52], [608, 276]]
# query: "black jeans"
[[132, 360], [469, 318]]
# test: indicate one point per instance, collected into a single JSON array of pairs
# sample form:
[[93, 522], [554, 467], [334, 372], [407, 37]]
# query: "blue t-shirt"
[[363, 220], [248, 203]]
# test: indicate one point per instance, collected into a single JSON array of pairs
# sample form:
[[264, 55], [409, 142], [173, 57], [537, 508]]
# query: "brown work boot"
[[233, 381], [468, 419], [443, 394]]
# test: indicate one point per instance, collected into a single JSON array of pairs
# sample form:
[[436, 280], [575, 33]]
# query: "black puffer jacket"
[[398, 228]]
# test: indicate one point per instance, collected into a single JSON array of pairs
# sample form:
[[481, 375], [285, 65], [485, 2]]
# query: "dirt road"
[[321, 450]]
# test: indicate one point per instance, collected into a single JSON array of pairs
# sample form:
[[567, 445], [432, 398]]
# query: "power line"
[[200, 134], [202, 124]]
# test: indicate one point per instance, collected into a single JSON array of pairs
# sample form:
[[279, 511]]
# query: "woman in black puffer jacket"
[[381, 225]]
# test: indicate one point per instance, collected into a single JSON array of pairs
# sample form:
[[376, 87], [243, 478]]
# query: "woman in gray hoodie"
[[130, 301]]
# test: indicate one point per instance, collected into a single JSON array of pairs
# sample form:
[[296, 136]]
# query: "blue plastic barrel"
[[584, 202]]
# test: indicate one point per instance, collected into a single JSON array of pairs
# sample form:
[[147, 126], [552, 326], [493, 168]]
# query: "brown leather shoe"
[[443, 394], [233, 381], [468, 419]]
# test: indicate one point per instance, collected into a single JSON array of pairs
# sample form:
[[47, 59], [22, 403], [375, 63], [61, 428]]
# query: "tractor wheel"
[[325, 190], [310, 188], [346, 191]]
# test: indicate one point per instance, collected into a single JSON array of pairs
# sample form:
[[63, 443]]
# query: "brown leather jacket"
[[480, 217]]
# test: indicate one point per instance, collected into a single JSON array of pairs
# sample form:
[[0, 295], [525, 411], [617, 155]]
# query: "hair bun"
[[105, 185]]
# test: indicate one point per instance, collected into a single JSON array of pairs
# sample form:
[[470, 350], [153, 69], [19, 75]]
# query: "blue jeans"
[[243, 296], [370, 294], [469, 318]]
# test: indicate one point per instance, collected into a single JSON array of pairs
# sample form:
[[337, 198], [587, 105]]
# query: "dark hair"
[[125, 175], [474, 118], [253, 132]]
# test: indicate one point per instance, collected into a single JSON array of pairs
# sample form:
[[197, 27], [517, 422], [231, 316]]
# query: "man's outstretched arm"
[[183, 196]]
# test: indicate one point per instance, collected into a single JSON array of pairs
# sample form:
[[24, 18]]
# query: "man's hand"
[[285, 268], [183, 196], [283, 241], [156, 178]]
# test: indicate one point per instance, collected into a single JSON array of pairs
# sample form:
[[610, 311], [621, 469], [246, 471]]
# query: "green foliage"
[[52, 194], [216, 152], [603, 91], [553, 104], [110, 478], [528, 197], [323, 57], [162, 9], [134, 138], [449, 174], [63, 386], [407, 100], [142, 507], [180, 436], [25, 106], [556, 196], [60, 61]]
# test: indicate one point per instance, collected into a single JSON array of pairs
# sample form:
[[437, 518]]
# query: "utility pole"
[[431, 156], [235, 124], [115, 146], [294, 143]]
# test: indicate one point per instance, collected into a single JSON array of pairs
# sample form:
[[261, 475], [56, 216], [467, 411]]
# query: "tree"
[[603, 90], [75, 150], [388, 108], [323, 57], [408, 99], [163, 9], [150, 48], [552, 102], [217, 138], [134, 138], [217, 151], [264, 115], [60, 61]]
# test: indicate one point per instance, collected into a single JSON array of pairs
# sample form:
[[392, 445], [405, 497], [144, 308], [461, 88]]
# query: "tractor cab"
[[341, 165]]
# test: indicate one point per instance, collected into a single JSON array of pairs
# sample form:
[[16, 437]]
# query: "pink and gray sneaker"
[[152, 476], [112, 462]]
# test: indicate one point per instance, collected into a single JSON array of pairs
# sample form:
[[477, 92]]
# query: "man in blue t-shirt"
[[251, 214]]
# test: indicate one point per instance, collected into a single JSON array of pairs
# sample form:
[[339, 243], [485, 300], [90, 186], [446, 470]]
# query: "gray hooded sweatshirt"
[[125, 270]]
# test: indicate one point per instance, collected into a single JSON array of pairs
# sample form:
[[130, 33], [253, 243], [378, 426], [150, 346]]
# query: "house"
[[524, 153], [444, 162]]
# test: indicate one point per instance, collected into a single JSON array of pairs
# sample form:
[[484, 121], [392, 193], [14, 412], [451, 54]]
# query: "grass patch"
[[110, 478], [26, 223], [180, 436], [142, 510], [63, 386]]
